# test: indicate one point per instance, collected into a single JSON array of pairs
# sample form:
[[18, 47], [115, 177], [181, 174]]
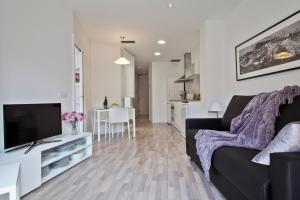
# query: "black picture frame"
[[263, 43]]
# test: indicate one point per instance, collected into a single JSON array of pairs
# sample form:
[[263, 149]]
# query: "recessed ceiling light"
[[170, 5], [157, 53], [161, 42]]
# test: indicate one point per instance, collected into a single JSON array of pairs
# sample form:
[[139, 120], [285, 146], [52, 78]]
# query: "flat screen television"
[[30, 123]]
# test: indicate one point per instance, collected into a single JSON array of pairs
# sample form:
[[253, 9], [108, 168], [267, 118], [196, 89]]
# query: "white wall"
[[36, 53], [150, 93], [82, 41], [106, 77], [160, 72], [136, 90], [266, 13], [218, 40], [128, 76], [211, 62], [195, 55]]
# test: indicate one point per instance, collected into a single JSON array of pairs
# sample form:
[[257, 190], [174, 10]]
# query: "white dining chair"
[[118, 116], [98, 118]]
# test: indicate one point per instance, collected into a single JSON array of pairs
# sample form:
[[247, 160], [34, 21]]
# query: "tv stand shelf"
[[58, 171], [64, 154], [37, 166]]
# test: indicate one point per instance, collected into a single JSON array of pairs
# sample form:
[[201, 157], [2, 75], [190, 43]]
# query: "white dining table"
[[104, 111]]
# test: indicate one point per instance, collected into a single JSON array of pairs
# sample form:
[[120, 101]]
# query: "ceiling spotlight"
[[170, 5], [161, 42], [157, 53]]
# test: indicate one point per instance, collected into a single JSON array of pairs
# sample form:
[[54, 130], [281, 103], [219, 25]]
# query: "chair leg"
[[105, 127], [99, 125], [133, 127], [128, 130], [117, 126], [94, 124], [109, 130], [113, 130], [99, 129]]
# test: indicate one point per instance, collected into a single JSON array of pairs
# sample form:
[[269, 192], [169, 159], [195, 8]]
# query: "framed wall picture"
[[275, 49]]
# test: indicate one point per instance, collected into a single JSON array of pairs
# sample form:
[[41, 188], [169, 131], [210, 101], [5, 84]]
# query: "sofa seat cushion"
[[251, 179]]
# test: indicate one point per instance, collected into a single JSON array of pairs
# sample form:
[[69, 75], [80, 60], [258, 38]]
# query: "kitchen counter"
[[174, 100], [179, 112]]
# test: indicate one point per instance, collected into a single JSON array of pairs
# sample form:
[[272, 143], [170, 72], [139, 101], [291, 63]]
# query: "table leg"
[[93, 123], [99, 125], [133, 124], [105, 129], [109, 131]]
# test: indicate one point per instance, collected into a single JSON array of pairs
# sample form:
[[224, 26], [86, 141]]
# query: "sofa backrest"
[[288, 112], [234, 108]]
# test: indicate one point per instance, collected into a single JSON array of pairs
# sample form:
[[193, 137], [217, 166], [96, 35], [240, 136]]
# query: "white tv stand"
[[37, 166]]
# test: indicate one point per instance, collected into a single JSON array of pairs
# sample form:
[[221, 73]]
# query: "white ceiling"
[[147, 21]]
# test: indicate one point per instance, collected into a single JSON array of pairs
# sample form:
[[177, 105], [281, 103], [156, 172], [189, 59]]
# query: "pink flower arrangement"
[[73, 116]]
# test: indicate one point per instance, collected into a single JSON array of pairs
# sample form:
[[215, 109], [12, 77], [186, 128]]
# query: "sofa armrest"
[[285, 175], [203, 123]]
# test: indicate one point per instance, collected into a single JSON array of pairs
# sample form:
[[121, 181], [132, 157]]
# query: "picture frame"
[[274, 50]]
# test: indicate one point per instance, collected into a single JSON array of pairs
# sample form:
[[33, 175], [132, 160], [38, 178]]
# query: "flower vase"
[[74, 128]]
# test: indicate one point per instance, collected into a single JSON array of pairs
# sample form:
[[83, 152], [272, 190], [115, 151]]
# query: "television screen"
[[25, 123]]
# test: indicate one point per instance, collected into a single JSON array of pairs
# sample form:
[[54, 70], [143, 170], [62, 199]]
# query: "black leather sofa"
[[232, 171]]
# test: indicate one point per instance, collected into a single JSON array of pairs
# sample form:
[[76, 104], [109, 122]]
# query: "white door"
[[78, 83]]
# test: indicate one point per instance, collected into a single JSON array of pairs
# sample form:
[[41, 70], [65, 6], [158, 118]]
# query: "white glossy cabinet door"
[[177, 115], [183, 117], [30, 172], [180, 116]]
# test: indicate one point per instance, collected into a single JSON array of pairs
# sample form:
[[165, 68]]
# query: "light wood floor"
[[151, 166]]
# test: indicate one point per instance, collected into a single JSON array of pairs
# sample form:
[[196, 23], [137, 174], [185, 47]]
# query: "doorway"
[[78, 83], [143, 94]]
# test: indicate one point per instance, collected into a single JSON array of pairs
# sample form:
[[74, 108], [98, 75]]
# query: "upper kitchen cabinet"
[[128, 73]]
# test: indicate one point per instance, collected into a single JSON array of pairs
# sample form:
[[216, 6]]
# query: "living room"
[[37, 42]]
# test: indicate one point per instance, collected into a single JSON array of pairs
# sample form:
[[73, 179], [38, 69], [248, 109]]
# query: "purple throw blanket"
[[254, 128]]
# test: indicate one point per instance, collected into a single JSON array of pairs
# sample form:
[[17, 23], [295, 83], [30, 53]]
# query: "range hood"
[[187, 65], [183, 79]]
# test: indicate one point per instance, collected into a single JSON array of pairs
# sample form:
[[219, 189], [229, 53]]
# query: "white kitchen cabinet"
[[180, 110]]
